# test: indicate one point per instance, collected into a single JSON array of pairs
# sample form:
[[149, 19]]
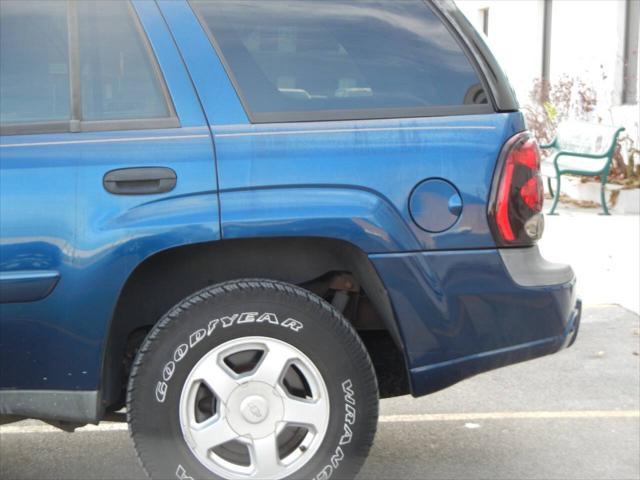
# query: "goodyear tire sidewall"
[[193, 329]]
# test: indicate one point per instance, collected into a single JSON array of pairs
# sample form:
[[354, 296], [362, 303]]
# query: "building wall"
[[516, 44], [587, 41]]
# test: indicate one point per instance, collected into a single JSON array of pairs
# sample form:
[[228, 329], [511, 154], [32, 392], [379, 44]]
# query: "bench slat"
[[582, 137]]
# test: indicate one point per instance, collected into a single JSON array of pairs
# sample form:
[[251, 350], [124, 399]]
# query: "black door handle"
[[139, 181]]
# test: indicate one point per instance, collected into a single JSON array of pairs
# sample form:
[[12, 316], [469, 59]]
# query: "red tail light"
[[532, 193], [517, 194]]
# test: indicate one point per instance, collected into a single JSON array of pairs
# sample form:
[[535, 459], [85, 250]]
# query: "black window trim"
[[76, 124], [369, 113], [57, 126], [359, 114]]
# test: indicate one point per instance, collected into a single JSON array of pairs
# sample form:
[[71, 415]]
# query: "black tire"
[[323, 335]]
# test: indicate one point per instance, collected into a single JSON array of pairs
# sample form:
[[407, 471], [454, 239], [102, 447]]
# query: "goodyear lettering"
[[196, 337]]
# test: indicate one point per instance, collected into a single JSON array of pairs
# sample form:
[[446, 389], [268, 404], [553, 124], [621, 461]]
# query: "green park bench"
[[580, 148]]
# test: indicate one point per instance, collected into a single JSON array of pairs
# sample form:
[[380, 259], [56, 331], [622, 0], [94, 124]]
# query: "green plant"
[[551, 103], [626, 172]]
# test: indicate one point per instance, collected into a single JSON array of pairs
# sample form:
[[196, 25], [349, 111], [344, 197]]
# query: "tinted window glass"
[[310, 56], [117, 75], [34, 64]]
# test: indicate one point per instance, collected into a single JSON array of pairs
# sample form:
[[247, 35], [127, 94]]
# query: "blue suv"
[[246, 221]]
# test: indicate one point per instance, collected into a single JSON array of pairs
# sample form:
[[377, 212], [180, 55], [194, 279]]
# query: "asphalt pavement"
[[573, 415]]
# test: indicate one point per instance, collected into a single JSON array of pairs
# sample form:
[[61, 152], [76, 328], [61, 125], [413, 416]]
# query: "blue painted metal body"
[[461, 313], [457, 308]]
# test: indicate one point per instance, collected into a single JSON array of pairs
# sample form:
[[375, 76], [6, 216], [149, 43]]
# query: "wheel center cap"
[[254, 409]]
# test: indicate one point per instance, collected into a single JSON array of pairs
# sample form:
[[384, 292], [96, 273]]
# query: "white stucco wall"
[[587, 41], [515, 37]]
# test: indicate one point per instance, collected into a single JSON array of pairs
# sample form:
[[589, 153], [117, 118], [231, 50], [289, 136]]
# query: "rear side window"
[[117, 75], [34, 61], [77, 66], [324, 60]]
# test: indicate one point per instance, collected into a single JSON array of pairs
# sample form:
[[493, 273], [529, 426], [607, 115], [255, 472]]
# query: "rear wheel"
[[252, 379]]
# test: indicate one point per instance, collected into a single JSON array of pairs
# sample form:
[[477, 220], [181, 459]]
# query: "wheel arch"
[[165, 278]]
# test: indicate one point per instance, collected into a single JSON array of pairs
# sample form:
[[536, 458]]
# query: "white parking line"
[[103, 427], [464, 417], [416, 418]]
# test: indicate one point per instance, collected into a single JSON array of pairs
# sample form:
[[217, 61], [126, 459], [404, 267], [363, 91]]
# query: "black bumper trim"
[[68, 406], [529, 269]]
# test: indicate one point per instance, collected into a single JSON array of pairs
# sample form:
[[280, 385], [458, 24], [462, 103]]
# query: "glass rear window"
[[310, 59]]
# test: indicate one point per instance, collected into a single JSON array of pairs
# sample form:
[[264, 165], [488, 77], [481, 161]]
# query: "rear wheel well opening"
[[335, 270]]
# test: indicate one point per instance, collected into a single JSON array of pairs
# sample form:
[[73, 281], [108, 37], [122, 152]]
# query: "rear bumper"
[[466, 312], [431, 378]]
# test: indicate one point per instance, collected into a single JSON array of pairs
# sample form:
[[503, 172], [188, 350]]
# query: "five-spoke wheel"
[[254, 406]]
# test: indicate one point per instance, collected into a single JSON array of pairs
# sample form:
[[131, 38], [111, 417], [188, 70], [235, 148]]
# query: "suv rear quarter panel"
[[353, 180]]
